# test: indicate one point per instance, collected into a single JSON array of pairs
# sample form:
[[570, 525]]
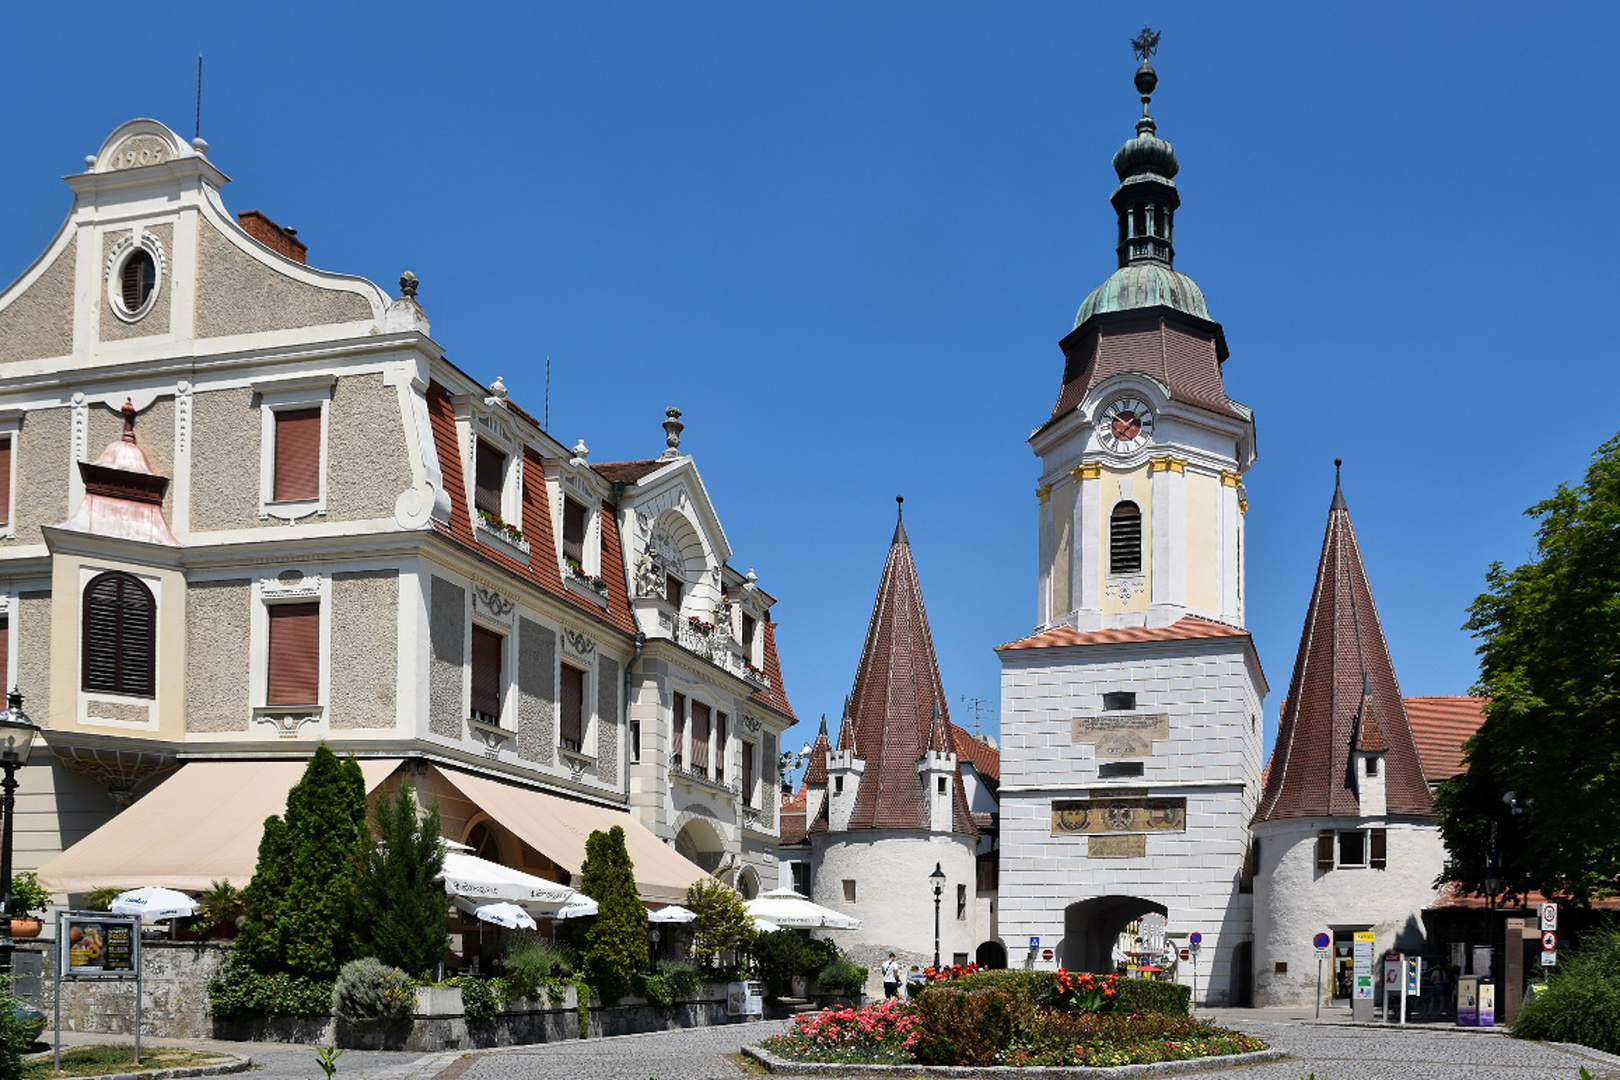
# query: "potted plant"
[[28, 900]]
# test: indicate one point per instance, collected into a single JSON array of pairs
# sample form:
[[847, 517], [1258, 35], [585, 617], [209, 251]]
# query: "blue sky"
[[845, 239]]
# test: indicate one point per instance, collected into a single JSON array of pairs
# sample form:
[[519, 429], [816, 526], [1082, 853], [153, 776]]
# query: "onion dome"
[[1141, 285]]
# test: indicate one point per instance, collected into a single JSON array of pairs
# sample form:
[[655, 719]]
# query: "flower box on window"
[[491, 530]]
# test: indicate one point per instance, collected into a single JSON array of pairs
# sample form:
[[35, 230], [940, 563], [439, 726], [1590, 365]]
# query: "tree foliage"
[[401, 906], [1550, 664], [616, 941], [300, 915], [722, 924]]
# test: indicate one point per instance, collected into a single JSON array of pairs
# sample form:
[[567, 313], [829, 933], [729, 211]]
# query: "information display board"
[[100, 945]]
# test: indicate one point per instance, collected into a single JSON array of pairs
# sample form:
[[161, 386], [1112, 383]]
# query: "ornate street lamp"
[[938, 878], [16, 742]]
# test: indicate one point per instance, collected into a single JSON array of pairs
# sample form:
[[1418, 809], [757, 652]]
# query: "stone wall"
[[174, 993]]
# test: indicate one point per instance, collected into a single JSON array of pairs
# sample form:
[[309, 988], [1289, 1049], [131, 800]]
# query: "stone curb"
[[1041, 1072], [234, 1065]]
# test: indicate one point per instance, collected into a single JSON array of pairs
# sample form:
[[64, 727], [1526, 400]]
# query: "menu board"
[[99, 944]]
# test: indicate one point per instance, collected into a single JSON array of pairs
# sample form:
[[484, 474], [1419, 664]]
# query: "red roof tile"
[[628, 472], [985, 759], [1154, 343], [815, 770], [893, 705], [1452, 896], [1441, 725], [1342, 651], [791, 817], [776, 696], [1186, 628]]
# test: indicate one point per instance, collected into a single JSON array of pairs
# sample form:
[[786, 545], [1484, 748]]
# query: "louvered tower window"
[[1125, 539], [120, 636], [137, 280]]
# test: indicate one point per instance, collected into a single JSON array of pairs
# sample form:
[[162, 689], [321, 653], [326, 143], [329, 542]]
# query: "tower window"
[[1119, 700], [1125, 539], [942, 785], [1111, 769], [1372, 766]]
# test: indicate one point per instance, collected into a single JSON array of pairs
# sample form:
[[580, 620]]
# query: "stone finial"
[[129, 420], [89, 163], [672, 432], [200, 145], [749, 579], [497, 389], [407, 285], [581, 452]]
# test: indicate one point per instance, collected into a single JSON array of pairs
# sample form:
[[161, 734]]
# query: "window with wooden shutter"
[[673, 590], [295, 654], [1378, 843], [748, 636], [298, 454], [120, 636], [487, 647], [573, 531], [700, 738], [572, 708], [719, 746], [136, 281], [1125, 539], [677, 709], [5, 480], [748, 774], [1324, 849], [489, 472]]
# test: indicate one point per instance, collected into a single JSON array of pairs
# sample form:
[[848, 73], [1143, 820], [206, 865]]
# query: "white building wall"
[[1211, 691], [1294, 900]]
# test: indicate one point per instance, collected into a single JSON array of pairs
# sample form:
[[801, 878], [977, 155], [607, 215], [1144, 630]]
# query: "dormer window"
[[748, 626], [573, 532], [490, 480], [1372, 766]]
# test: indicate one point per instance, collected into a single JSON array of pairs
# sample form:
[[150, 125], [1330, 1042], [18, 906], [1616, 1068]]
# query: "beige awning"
[[200, 825], [558, 828]]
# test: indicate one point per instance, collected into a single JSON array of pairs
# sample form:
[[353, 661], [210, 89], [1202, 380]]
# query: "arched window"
[[1125, 539], [120, 636]]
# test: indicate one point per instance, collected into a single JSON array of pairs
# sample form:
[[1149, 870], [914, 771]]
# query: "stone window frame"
[[137, 240], [573, 484], [88, 571], [11, 428], [289, 585], [9, 611], [578, 651], [303, 392], [506, 720]]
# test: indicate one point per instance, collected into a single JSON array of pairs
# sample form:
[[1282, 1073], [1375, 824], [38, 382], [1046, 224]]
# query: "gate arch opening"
[[1091, 927]]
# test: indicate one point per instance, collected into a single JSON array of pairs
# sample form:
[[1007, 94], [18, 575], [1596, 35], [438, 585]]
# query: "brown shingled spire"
[[815, 769], [1344, 680], [896, 702]]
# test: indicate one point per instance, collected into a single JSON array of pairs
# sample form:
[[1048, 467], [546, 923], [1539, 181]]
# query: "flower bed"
[[1062, 1019]]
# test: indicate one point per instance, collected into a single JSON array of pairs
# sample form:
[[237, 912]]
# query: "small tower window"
[[1125, 539], [1372, 766], [137, 280]]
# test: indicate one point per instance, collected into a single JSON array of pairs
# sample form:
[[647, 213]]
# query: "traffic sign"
[[1549, 916], [1195, 938], [1186, 954], [1324, 954], [1034, 943], [1549, 941], [1046, 955], [1549, 959], [1321, 941]]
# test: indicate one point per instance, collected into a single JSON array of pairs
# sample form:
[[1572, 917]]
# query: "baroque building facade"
[[309, 526]]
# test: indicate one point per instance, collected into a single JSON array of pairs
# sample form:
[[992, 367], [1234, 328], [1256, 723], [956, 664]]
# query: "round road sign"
[[1195, 938], [1549, 941], [1046, 954], [1321, 941], [1186, 954]]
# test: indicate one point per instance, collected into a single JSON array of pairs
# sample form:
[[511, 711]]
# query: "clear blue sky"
[[845, 238]]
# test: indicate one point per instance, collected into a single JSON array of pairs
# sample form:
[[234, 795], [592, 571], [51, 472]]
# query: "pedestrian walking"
[[891, 977]]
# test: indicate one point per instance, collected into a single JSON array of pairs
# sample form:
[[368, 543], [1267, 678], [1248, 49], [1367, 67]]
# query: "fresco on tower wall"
[[1118, 815]]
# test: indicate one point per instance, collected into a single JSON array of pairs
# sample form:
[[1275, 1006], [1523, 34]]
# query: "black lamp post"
[[938, 878], [16, 742]]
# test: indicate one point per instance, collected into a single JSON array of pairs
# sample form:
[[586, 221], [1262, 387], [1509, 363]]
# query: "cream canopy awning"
[[199, 826], [558, 828]]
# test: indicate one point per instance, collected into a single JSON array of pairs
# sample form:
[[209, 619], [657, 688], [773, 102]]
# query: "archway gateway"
[[1091, 928]]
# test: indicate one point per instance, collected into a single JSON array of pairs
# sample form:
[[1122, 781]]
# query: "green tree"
[[301, 899], [401, 905], [1550, 664], [616, 941], [722, 924]]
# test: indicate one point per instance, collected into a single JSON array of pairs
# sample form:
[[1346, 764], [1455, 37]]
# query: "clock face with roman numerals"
[[1124, 425]]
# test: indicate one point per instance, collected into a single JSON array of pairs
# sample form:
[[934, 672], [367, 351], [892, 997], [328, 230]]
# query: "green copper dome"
[[1141, 285]]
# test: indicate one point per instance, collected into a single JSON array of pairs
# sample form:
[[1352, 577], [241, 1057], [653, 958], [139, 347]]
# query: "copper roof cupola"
[[123, 497]]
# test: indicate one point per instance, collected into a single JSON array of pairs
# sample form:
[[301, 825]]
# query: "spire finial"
[[672, 432], [1338, 492], [899, 521], [1145, 45], [129, 420]]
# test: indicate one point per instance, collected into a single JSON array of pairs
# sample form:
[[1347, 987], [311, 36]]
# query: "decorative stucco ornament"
[[581, 452], [407, 285], [672, 432]]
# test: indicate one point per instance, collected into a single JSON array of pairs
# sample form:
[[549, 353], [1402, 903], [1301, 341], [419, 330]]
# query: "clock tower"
[[1131, 716]]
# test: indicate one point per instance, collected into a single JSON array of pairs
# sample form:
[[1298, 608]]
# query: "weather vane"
[[1145, 44]]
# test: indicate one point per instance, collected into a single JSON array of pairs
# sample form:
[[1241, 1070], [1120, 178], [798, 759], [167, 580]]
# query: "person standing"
[[891, 977]]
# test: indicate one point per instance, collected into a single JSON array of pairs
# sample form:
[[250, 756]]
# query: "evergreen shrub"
[[722, 924], [368, 991], [238, 990], [616, 941], [1581, 1003], [842, 978], [781, 956], [401, 907]]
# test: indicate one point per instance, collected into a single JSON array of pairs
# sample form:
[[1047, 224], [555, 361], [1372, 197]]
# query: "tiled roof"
[[1167, 348], [815, 769], [1341, 651], [893, 705], [1186, 628], [1452, 896], [776, 696], [628, 472], [542, 570], [985, 759], [1369, 736], [791, 817], [1441, 725]]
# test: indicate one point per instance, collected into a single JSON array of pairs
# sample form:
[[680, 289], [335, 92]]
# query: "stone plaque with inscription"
[[1125, 846], [1126, 735], [1136, 814]]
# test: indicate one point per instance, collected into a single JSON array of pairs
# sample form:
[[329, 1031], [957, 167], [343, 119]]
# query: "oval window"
[[137, 280]]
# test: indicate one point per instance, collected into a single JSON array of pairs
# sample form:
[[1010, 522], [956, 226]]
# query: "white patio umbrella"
[[152, 902], [484, 881], [765, 926], [672, 913], [501, 913], [784, 907], [577, 908]]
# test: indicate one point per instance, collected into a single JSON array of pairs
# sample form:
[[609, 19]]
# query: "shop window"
[[120, 636]]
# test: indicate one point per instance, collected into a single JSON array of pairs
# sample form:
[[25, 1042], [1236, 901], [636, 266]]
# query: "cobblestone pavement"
[[689, 1054]]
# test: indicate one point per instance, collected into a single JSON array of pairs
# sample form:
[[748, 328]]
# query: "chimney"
[[277, 239]]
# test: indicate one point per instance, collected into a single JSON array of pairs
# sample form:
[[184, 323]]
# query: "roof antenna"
[[548, 395], [197, 131]]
